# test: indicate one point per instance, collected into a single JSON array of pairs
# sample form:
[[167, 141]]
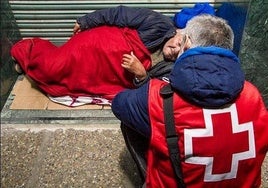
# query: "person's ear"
[[188, 43]]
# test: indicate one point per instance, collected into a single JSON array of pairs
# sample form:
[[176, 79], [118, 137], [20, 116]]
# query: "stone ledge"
[[65, 157]]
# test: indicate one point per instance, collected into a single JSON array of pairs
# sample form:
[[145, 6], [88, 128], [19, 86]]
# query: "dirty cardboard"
[[27, 96]]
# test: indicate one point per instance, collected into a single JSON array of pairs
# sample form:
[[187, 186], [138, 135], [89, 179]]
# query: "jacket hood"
[[208, 76]]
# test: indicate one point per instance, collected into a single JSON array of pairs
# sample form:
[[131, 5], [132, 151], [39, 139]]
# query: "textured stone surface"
[[66, 158], [69, 157]]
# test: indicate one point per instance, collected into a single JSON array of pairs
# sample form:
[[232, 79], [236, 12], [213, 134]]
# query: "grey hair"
[[207, 30]]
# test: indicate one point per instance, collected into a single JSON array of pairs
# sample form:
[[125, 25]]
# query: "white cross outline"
[[208, 131]]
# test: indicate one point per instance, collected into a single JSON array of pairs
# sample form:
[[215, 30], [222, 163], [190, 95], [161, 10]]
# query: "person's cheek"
[[165, 51]]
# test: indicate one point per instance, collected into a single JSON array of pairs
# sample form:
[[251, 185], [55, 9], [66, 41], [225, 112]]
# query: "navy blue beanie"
[[182, 17]]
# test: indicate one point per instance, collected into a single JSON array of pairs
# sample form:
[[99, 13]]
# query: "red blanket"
[[89, 64]]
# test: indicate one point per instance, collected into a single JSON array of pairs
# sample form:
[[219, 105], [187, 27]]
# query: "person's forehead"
[[179, 34]]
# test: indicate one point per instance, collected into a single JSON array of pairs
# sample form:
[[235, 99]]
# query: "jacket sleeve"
[[131, 108], [152, 26], [121, 16]]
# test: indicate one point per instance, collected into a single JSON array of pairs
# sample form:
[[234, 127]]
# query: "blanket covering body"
[[88, 64]]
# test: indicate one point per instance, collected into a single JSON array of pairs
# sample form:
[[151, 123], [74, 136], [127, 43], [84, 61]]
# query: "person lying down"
[[85, 69]]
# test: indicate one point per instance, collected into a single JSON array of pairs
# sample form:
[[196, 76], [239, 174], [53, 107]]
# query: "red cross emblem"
[[221, 144]]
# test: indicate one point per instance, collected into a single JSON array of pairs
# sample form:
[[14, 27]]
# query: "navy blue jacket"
[[153, 27], [205, 76]]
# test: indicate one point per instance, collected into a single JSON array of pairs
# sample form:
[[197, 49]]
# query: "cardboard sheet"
[[27, 96]]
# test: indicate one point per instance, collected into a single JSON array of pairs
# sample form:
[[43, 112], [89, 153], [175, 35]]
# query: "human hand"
[[76, 28], [133, 65]]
